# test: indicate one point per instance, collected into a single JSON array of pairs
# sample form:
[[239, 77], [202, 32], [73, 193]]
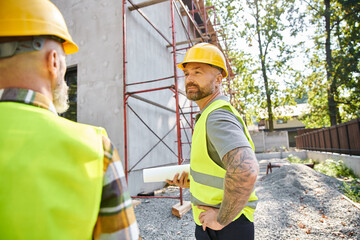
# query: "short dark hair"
[[218, 68]]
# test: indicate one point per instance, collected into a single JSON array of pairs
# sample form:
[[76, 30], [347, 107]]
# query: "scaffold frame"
[[200, 34]]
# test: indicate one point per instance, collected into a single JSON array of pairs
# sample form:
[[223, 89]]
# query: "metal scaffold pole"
[[176, 91], [124, 88]]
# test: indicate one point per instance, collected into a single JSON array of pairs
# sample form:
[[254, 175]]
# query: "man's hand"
[[182, 182], [208, 218]]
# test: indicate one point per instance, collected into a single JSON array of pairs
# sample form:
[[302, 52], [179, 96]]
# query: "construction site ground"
[[296, 202]]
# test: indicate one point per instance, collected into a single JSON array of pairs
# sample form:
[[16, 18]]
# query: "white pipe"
[[160, 174]]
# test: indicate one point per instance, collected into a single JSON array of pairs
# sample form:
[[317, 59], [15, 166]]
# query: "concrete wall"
[[96, 26], [267, 141], [281, 155], [352, 162]]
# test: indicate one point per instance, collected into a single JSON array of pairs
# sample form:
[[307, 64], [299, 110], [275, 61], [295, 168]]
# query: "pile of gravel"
[[296, 202]]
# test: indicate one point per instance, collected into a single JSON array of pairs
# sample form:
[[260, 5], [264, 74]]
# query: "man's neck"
[[206, 100], [36, 85]]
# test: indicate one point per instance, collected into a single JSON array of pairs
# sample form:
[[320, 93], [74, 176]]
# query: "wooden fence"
[[342, 138]]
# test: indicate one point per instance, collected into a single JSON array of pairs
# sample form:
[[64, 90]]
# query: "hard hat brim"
[[181, 66]]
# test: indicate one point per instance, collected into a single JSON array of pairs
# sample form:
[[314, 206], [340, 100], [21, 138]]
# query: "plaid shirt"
[[116, 219]]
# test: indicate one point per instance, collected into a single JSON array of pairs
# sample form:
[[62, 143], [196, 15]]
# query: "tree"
[[337, 42], [244, 90], [330, 74], [262, 23], [346, 24]]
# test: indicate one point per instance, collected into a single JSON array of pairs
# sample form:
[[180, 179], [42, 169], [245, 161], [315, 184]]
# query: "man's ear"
[[53, 64], [219, 79]]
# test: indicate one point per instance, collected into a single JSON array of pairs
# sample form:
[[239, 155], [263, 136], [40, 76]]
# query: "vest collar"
[[221, 97]]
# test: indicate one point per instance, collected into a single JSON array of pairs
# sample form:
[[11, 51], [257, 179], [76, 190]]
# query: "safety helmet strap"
[[9, 49]]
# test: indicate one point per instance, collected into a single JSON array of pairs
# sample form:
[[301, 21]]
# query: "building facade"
[[124, 77]]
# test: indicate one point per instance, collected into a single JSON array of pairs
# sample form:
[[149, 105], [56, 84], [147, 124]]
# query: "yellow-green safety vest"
[[206, 177], [51, 175]]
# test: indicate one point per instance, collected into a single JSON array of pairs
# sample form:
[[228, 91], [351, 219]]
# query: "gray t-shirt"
[[224, 133]]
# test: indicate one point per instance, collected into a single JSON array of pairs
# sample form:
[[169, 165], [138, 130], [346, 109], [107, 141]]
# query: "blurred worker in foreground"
[[58, 179], [223, 164]]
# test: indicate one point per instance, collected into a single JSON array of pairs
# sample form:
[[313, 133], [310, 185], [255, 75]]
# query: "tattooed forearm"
[[241, 173]]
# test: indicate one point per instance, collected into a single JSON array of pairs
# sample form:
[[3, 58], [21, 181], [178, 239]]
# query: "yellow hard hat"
[[34, 18], [205, 53]]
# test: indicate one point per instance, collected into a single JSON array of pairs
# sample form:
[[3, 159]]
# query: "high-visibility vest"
[[51, 175], [206, 177]]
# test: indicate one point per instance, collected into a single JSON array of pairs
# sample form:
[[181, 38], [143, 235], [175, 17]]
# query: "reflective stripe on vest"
[[206, 177], [215, 182], [197, 202], [51, 175]]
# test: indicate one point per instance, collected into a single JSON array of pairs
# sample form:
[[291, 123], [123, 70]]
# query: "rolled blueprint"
[[160, 174]]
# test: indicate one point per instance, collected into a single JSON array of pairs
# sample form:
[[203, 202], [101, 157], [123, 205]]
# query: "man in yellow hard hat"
[[223, 166], [58, 179]]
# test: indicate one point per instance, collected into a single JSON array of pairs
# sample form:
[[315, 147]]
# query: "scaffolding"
[[199, 28]]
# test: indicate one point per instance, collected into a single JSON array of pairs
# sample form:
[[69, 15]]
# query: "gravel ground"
[[296, 202], [157, 222]]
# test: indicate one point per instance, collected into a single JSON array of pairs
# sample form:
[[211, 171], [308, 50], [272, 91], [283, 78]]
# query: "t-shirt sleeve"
[[225, 132]]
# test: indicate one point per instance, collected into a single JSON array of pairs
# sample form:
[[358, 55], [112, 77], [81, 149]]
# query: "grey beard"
[[61, 97]]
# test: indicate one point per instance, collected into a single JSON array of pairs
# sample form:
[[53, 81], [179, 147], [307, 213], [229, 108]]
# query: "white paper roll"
[[160, 174]]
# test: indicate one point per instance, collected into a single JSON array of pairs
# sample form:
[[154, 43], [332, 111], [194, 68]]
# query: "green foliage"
[[352, 190], [245, 93], [317, 116], [261, 24], [343, 80], [334, 168], [263, 59], [337, 169], [295, 159]]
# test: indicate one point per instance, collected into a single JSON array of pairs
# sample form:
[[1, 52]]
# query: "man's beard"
[[61, 97], [200, 93]]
